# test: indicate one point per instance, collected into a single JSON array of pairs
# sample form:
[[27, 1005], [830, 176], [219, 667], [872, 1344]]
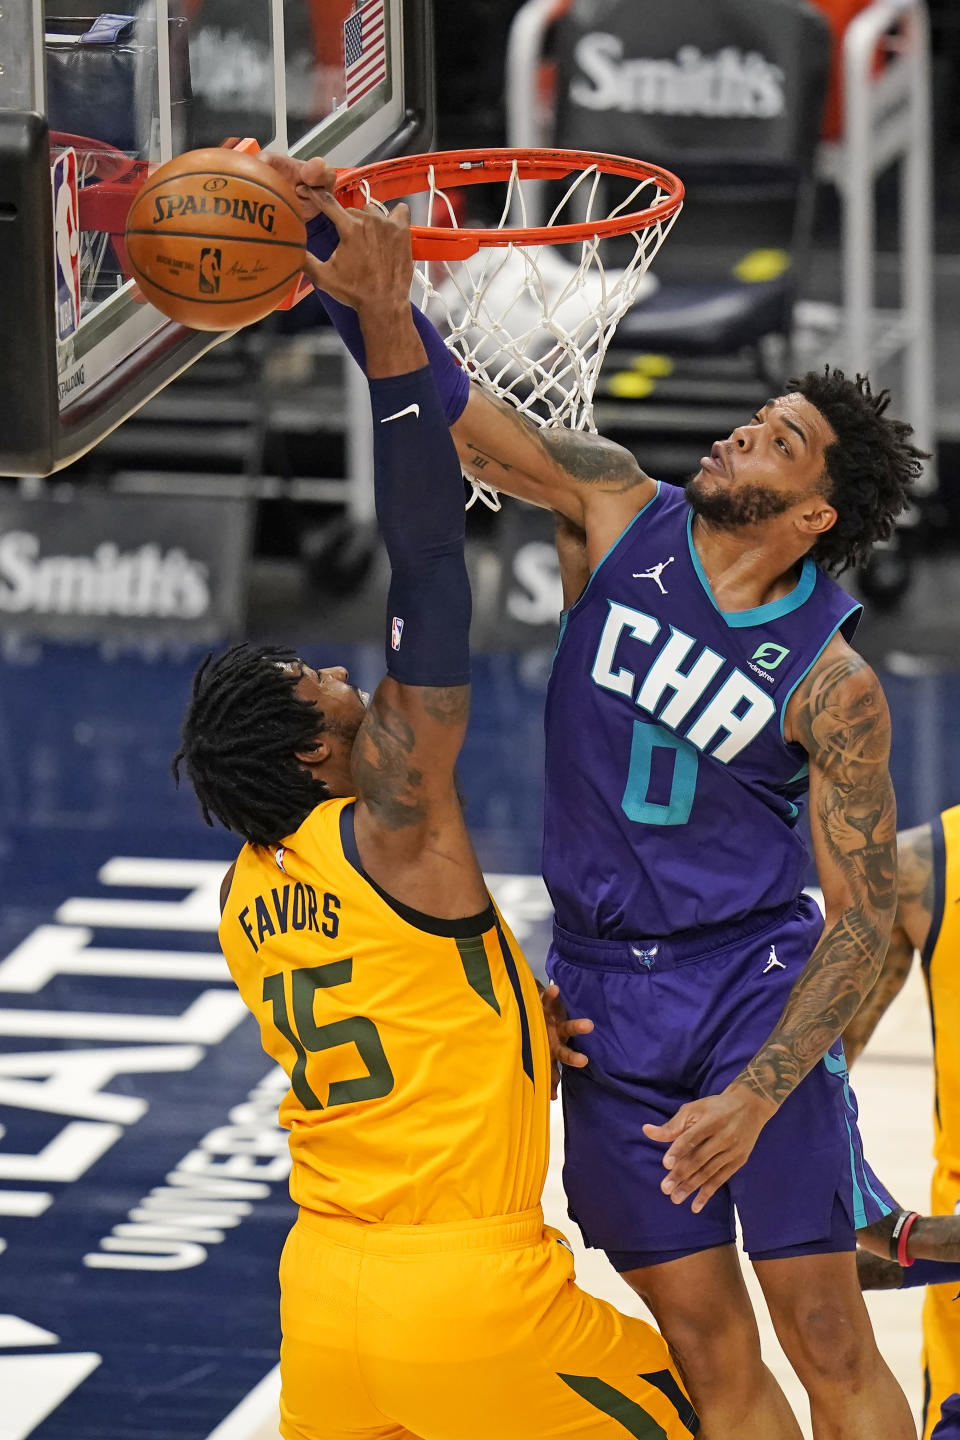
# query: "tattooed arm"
[[410, 829], [839, 715], [593, 482], [910, 929], [408, 824]]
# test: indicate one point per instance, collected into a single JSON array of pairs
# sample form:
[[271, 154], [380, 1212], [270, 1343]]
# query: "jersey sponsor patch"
[[769, 655]]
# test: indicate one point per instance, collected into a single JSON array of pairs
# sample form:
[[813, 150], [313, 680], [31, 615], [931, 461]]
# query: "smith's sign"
[[100, 565], [146, 582], [730, 84]]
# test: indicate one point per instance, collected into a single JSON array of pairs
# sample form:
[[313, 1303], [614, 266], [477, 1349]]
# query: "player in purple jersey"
[[707, 660], [703, 688]]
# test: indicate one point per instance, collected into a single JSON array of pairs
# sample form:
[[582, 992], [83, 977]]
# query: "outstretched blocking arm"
[[592, 481], [408, 823], [911, 927]]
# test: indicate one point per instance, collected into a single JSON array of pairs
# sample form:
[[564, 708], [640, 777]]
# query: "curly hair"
[[871, 465], [242, 729]]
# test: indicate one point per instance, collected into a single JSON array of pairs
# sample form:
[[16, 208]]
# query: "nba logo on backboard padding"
[[396, 630], [208, 278], [66, 243]]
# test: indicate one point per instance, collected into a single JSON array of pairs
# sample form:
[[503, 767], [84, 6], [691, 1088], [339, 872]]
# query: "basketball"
[[215, 239]]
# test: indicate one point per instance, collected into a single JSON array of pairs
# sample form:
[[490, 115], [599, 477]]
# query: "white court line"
[[260, 1407]]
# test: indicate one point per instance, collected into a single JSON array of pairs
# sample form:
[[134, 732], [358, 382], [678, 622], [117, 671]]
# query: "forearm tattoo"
[[911, 928], [915, 884], [582, 456], [892, 978], [449, 704], [874, 1273], [843, 724], [388, 752]]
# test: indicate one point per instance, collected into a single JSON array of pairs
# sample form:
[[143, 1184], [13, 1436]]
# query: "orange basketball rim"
[[450, 169]]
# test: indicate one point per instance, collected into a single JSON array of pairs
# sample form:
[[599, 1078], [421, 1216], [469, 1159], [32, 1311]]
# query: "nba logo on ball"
[[396, 630], [208, 278]]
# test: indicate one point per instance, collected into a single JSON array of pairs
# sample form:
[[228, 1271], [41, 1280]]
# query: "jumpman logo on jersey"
[[654, 573], [773, 963]]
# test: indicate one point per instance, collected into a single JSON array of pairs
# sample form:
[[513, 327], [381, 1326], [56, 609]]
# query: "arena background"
[[130, 1076]]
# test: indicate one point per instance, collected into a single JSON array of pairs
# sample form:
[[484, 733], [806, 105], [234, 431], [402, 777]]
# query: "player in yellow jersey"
[[422, 1295], [928, 921]]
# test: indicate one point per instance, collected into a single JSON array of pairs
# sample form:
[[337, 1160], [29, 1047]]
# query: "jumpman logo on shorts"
[[773, 963], [654, 574]]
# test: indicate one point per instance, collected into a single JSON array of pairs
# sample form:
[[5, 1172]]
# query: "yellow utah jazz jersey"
[[941, 963], [416, 1048]]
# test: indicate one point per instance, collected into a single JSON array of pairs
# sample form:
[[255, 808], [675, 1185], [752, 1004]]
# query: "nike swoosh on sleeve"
[[413, 410]]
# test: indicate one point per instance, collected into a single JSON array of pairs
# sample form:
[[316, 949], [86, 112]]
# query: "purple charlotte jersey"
[[679, 1018], [672, 798]]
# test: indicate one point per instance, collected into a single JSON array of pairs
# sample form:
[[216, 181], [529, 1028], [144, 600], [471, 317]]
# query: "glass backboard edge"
[[44, 439]]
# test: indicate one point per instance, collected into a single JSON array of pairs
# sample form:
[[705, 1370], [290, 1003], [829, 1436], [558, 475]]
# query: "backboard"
[[90, 105]]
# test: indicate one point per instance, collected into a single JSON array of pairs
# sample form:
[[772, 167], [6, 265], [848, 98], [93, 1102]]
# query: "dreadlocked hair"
[[243, 727], [871, 465]]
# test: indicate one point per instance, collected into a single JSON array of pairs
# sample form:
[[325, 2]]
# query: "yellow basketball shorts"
[[941, 1316], [461, 1332]]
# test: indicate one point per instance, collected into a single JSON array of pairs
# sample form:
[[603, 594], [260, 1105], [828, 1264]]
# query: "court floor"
[[142, 1175]]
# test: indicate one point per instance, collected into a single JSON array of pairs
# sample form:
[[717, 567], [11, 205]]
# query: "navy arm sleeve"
[[452, 382], [419, 499], [930, 1272]]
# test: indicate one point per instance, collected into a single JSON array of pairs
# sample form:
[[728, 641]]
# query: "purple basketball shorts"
[[948, 1426], [678, 1018]]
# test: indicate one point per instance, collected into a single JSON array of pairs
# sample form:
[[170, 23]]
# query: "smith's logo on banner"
[[731, 84], [147, 582], [103, 565]]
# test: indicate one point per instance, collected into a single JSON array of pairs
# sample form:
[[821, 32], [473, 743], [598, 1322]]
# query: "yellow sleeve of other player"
[[941, 963]]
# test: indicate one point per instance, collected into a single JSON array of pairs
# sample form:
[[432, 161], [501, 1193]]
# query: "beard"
[[733, 508], [346, 726]]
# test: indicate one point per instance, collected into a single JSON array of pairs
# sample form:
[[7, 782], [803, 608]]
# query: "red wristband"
[[901, 1234]]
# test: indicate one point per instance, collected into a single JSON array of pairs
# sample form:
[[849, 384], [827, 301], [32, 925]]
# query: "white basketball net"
[[532, 324], [93, 243]]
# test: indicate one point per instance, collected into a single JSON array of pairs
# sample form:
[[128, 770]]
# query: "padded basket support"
[[887, 121], [26, 263]]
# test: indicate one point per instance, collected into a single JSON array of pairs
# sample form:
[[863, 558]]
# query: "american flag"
[[364, 50]]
